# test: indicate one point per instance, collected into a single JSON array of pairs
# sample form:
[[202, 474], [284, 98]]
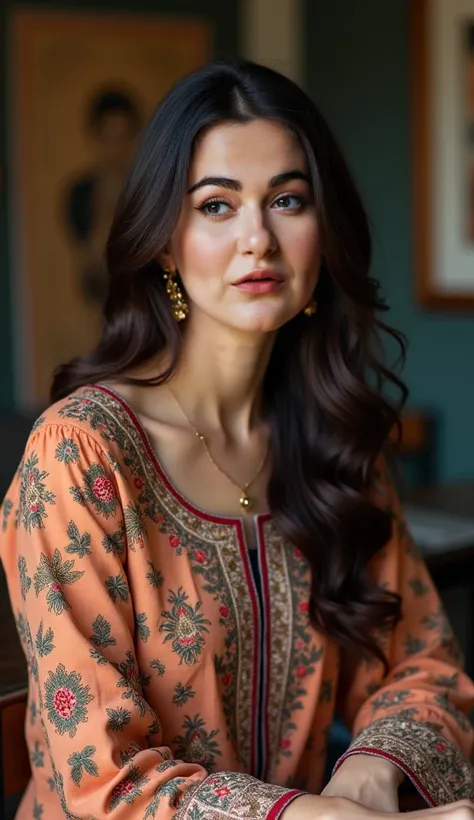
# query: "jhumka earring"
[[178, 304], [311, 307]]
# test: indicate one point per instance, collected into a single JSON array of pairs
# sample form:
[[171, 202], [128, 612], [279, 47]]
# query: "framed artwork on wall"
[[443, 157], [82, 86]]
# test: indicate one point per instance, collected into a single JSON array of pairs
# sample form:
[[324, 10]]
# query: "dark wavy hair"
[[326, 388]]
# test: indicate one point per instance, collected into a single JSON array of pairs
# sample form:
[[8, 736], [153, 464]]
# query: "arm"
[[105, 742], [416, 718]]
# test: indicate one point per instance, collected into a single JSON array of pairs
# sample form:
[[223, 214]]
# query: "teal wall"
[[358, 71], [223, 16], [358, 58]]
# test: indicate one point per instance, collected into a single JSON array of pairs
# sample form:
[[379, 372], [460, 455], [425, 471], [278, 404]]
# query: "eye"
[[289, 202], [215, 208]]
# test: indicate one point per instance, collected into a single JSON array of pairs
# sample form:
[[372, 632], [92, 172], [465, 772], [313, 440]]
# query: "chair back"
[[15, 768]]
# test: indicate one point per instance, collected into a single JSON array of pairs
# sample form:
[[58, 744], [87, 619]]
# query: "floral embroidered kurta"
[[173, 672]]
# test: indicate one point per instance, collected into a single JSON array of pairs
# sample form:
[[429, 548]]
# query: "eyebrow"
[[235, 185]]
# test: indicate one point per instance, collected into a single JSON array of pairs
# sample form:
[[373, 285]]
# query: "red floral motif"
[[103, 489], [138, 482], [224, 611], [285, 743], [440, 747], [301, 671], [226, 679], [34, 508], [303, 606], [64, 702], [174, 541], [55, 587], [300, 644], [200, 556], [222, 792], [124, 788]]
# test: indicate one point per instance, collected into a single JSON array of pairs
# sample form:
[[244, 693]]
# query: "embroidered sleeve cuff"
[[435, 767], [232, 796]]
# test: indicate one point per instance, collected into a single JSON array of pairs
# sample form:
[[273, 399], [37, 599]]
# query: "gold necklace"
[[245, 500]]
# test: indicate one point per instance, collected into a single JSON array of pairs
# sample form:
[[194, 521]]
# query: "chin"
[[261, 324]]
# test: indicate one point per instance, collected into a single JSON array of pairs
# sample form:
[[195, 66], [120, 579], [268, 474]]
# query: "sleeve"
[[106, 744], [418, 715]]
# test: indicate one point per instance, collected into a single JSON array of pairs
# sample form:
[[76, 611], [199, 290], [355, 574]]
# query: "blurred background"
[[395, 81]]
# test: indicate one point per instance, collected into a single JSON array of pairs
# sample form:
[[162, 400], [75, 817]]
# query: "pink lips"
[[260, 281]]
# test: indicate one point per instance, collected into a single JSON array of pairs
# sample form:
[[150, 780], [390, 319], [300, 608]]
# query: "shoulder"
[[91, 419]]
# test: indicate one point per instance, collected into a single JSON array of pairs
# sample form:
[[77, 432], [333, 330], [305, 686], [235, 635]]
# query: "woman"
[[204, 554]]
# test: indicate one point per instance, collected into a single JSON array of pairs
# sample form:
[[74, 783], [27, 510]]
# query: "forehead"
[[254, 150]]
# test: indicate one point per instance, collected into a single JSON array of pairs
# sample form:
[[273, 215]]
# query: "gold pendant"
[[245, 502]]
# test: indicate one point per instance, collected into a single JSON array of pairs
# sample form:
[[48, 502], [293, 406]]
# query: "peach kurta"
[[172, 671]]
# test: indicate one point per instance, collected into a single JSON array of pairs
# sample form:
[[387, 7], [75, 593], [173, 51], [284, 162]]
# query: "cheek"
[[300, 240], [202, 248]]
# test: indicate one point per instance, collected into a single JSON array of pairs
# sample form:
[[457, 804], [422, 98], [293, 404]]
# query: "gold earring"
[[311, 307], [178, 303]]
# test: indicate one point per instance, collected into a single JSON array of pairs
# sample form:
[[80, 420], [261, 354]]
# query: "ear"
[[165, 259]]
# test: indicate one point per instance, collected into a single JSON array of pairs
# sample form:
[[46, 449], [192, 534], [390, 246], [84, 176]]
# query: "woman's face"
[[249, 211]]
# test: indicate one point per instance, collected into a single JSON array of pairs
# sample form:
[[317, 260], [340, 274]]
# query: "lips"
[[261, 275]]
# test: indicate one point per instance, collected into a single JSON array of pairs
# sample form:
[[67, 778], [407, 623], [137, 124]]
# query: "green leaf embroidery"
[[115, 542], [38, 809], [419, 587], [154, 576], [67, 451], [160, 667], [44, 643], [79, 544], [37, 756], [182, 694], [117, 587], [141, 627], [6, 512], [98, 656], [81, 762], [118, 719], [53, 569], [25, 580], [102, 629], [134, 526]]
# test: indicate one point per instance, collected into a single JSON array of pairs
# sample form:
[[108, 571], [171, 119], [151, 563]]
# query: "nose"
[[255, 237]]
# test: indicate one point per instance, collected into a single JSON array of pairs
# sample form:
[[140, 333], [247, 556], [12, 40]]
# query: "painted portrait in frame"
[[82, 88], [443, 158]]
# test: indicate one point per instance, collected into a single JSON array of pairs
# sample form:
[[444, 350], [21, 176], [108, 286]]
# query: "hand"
[[309, 807], [368, 780]]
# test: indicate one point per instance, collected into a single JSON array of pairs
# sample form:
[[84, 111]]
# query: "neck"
[[220, 378]]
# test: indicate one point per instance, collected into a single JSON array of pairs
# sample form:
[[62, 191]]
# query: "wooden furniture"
[[416, 451], [15, 763]]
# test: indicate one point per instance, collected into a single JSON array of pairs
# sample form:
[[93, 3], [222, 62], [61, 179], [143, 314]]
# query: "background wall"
[[357, 58], [225, 20], [358, 70]]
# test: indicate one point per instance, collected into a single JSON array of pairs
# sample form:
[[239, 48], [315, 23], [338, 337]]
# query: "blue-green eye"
[[289, 202]]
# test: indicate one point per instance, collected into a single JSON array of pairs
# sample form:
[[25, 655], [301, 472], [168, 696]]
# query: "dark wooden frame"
[[427, 294]]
